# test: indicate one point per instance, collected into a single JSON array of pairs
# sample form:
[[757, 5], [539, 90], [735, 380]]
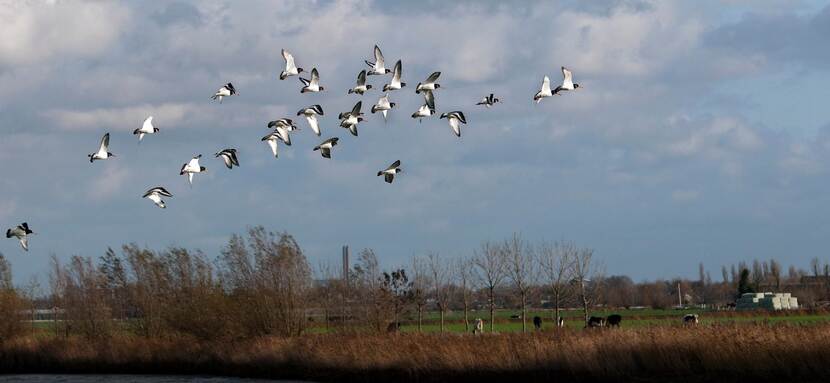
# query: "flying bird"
[[428, 109], [429, 83], [488, 101], [103, 150], [312, 85], [146, 128], [396, 83], [389, 173], [378, 67], [226, 90], [361, 86], [192, 168], [311, 114], [22, 233], [283, 123], [544, 92], [567, 82], [290, 68], [383, 106], [349, 120], [325, 147], [229, 157], [455, 118], [155, 195]]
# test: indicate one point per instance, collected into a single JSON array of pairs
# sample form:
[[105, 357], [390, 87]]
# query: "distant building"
[[767, 301]]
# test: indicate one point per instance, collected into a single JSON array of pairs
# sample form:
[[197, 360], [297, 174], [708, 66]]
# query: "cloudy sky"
[[702, 133]]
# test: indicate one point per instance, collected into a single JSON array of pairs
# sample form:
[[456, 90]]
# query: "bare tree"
[[420, 288], [587, 274], [463, 275], [490, 270], [440, 273], [521, 269], [556, 261]]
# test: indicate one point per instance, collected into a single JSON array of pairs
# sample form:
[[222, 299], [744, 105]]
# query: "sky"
[[700, 133]]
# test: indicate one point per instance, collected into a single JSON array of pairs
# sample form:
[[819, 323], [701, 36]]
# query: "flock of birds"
[[283, 127]]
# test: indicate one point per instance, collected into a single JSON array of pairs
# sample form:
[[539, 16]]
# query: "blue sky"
[[702, 133]]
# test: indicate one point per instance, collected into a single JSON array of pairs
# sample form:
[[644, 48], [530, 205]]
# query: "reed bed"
[[696, 354]]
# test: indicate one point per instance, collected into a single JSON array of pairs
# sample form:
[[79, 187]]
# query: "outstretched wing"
[[356, 108], [396, 73], [361, 78], [289, 60], [394, 165], [546, 85], [429, 98], [317, 109], [433, 77], [304, 81], [105, 142], [567, 78], [315, 77], [378, 58], [460, 115]]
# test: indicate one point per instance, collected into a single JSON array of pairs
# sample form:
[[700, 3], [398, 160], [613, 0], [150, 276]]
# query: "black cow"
[[537, 322], [613, 320], [690, 319], [393, 327], [595, 322]]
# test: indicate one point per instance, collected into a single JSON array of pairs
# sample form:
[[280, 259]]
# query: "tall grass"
[[705, 353]]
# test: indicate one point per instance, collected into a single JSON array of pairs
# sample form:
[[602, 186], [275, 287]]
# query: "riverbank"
[[723, 353]]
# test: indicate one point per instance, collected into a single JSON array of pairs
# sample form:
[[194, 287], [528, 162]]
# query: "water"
[[32, 378]]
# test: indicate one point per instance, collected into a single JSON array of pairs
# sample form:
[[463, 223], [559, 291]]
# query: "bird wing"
[[396, 74], [282, 133], [227, 160], [24, 242], [273, 144], [193, 163], [312, 122], [378, 58], [105, 142], [315, 77], [460, 115], [162, 191], [147, 126], [230, 88], [429, 98], [361, 78], [356, 109], [388, 178], [289, 61], [317, 109], [234, 160], [546, 85], [567, 78], [454, 125], [304, 81], [433, 77]]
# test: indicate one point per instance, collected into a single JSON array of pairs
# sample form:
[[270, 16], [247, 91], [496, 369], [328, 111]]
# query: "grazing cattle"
[[393, 327], [516, 316], [560, 322], [478, 327], [690, 319], [595, 322], [613, 320], [537, 322]]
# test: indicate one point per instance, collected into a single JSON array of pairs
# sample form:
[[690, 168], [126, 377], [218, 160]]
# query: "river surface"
[[32, 378]]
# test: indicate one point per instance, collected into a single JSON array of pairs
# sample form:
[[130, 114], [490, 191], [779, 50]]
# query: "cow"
[[595, 322], [478, 327], [537, 323], [560, 322], [613, 320], [691, 319]]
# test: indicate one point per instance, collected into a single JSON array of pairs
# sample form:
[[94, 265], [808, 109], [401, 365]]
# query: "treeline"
[[261, 284]]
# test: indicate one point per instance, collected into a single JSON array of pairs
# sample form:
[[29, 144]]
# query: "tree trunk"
[[492, 310], [466, 316], [524, 312], [420, 316], [556, 308], [442, 318]]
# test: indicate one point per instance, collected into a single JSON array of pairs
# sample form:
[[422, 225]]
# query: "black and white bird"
[[290, 68], [228, 157], [311, 114], [349, 120], [312, 85], [103, 150], [567, 82], [155, 195], [383, 106], [488, 101], [428, 109], [361, 86], [226, 90], [192, 168], [429, 84], [325, 147], [544, 92], [389, 173], [396, 83], [455, 118], [283, 123], [271, 139], [146, 128], [378, 67], [21, 232]]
